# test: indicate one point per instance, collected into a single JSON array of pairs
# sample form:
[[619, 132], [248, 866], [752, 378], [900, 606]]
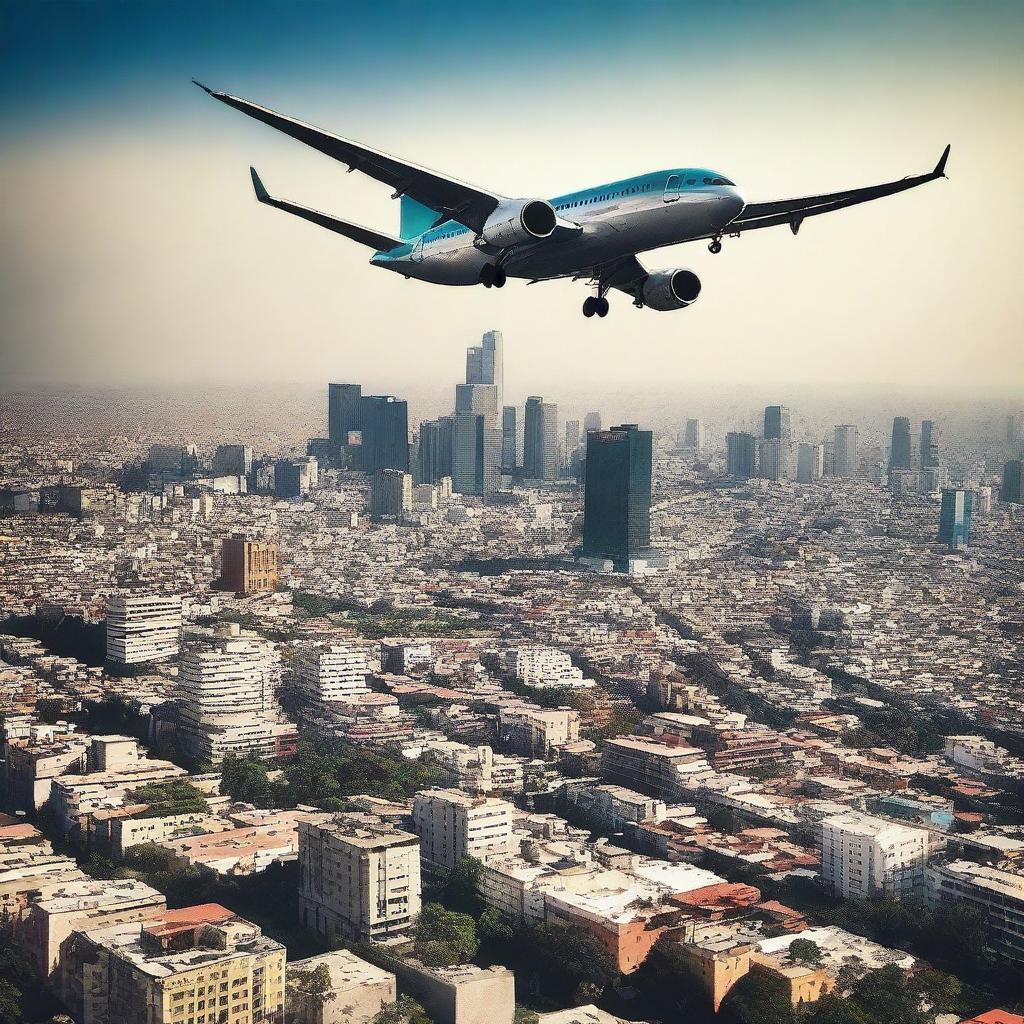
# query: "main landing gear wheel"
[[593, 304], [492, 276], [715, 246]]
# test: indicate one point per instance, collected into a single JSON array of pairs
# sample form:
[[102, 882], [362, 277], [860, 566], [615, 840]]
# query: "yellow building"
[[248, 566], [199, 965]]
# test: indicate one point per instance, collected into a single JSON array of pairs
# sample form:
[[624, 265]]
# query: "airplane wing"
[[793, 211], [452, 199], [364, 236]]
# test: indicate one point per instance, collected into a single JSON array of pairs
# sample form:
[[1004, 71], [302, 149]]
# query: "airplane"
[[453, 233]]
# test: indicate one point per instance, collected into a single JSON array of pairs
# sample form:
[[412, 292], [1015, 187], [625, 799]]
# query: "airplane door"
[[417, 251], [672, 188]]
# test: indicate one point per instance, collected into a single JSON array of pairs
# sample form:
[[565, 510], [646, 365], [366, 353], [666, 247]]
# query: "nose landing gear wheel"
[[499, 277], [715, 246]]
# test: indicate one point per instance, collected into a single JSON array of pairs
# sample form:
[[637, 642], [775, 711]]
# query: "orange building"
[[248, 566]]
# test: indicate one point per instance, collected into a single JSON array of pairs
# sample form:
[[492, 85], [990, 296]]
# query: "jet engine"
[[517, 221], [670, 289]]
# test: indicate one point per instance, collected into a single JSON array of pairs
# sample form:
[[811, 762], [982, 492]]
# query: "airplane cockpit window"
[[717, 181]]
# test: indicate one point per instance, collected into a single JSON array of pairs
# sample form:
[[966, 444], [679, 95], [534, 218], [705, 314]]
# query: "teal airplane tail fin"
[[416, 218]]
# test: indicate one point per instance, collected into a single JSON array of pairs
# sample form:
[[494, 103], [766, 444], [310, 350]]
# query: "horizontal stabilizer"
[[364, 236]]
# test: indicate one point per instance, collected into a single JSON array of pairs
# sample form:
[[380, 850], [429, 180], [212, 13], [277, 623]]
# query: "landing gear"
[[593, 305], [492, 276], [715, 246]]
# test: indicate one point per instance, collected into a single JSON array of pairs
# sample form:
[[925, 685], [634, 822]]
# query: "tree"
[[573, 952], [177, 796], [834, 1009], [244, 779], [445, 937], [884, 995], [461, 888], [314, 983], [405, 1010], [804, 951], [941, 991], [758, 999], [10, 1003]]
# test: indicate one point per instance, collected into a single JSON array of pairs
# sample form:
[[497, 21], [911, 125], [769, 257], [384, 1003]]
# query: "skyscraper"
[[437, 439], [777, 424], [592, 421], [343, 414], [773, 459], [844, 459], [476, 458], [955, 517], [232, 460], [810, 462], [485, 363], [390, 493], [741, 454], [385, 433], [572, 436], [694, 435], [1013, 428], [540, 448], [617, 498], [900, 454], [929, 444], [1012, 490], [509, 438]]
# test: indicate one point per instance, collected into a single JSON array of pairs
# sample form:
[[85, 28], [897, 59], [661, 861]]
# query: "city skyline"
[[909, 291]]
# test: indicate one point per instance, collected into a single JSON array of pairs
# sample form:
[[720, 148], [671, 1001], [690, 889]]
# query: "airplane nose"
[[735, 202]]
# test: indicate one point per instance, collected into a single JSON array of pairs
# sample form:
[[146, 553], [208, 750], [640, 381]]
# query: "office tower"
[[154, 970], [540, 439], [478, 399], [617, 496], [343, 412], [932, 479], [592, 421], [172, 461], [437, 438], [777, 426], [845, 451], [247, 566], [226, 697], [476, 459], [810, 462], [232, 460], [572, 436], [694, 435], [142, 627], [929, 444], [509, 438], [983, 501], [359, 880], [391, 493], [485, 363], [332, 672], [1011, 489], [1014, 429], [900, 452], [863, 857], [773, 459], [385, 433], [292, 477], [741, 454], [453, 825], [955, 517]]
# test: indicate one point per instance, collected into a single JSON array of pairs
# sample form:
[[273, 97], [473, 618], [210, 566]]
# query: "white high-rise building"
[[810, 462], [485, 363], [227, 696], [332, 671], [863, 857], [453, 825], [773, 459], [143, 628], [541, 666], [844, 458]]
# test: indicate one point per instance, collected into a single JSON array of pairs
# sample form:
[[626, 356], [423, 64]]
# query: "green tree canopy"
[[445, 937]]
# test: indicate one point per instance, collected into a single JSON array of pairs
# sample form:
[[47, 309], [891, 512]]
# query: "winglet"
[[205, 88], [261, 193], [940, 167]]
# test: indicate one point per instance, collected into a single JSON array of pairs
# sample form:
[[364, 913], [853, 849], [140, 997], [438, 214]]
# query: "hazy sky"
[[133, 250]]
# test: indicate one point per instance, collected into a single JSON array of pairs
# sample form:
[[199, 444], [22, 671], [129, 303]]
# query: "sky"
[[132, 250]]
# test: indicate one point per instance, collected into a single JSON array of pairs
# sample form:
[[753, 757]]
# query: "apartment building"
[[864, 857], [535, 731], [541, 666], [359, 878], [995, 893], [662, 769], [143, 628], [611, 808], [247, 566], [202, 964], [331, 672], [453, 825]]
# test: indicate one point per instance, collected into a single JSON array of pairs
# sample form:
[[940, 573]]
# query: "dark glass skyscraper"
[[343, 413], [1012, 473], [929, 444], [955, 517], [385, 428], [617, 498], [540, 439], [436, 447], [900, 456], [777, 425], [741, 454]]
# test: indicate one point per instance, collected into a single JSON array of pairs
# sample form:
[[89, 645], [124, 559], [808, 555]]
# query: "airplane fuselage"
[[618, 219]]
